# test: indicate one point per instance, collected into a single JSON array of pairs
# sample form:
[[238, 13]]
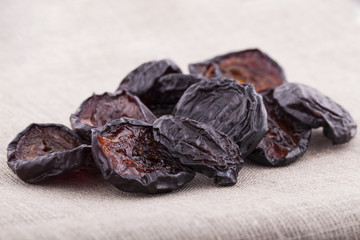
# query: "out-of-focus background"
[[54, 54]]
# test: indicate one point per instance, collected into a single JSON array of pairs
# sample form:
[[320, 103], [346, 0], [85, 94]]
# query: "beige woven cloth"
[[54, 54]]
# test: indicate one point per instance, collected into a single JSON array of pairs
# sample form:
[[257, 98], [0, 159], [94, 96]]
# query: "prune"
[[97, 110], [230, 107], [128, 156], [44, 150], [250, 66], [168, 90], [200, 147], [286, 140], [140, 81], [312, 108]]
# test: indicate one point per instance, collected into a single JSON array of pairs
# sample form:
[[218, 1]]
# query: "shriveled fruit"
[[200, 147], [249, 66], [286, 140], [128, 156], [230, 107], [97, 110], [167, 91], [314, 109], [44, 150], [140, 81]]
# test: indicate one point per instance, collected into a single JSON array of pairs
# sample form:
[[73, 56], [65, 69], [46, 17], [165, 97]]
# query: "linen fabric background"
[[55, 54]]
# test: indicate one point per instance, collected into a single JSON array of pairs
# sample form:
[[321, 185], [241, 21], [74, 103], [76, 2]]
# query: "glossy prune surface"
[[230, 107], [286, 140], [249, 66], [200, 147], [97, 110], [128, 156], [44, 150], [142, 79], [314, 109], [168, 90]]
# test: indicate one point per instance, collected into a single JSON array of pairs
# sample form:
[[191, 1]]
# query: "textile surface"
[[55, 54]]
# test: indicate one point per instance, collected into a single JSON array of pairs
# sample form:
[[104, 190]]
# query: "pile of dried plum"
[[161, 126]]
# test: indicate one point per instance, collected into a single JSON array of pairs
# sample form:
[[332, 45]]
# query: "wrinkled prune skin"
[[168, 90], [44, 150], [249, 66], [141, 80], [230, 107], [97, 110], [286, 140], [200, 147], [314, 109], [128, 157]]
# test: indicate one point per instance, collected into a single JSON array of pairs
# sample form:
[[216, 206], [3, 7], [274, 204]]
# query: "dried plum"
[[140, 81], [44, 150], [286, 140], [314, 109], [128, 156], [200, 147], [168, 90], [97, 110], [250, 66], [230, 107]]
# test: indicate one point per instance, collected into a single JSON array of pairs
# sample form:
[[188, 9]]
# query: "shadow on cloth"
[[92, 183]]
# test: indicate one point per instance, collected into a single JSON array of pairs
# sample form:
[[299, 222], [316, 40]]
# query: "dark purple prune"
[[249, 66], [230, 107], [314, 109], [140, 81], [128, 156], [44, 150], [168, 90], [200, 147], [97, 110], [286, 140]]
